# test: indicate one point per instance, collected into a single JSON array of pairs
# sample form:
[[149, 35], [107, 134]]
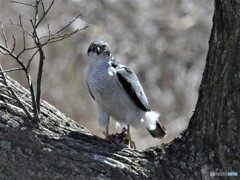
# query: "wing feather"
[[132, 86]]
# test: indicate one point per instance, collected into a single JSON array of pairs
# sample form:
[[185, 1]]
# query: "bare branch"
[[22, 3], [29, 80], [40, 50], [33, 97], [4, 35], [14, 94], [39, 75], [37, 47], [40, 69]]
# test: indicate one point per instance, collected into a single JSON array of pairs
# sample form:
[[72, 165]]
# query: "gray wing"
[[132, 86]]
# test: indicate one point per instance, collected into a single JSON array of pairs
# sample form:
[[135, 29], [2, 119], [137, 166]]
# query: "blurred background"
[[164, 42]]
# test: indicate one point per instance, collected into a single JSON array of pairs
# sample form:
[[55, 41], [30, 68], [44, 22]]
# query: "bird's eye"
[[104, 46]]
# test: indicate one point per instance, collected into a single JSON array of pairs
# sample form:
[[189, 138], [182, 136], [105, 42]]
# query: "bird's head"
[[99, 48]]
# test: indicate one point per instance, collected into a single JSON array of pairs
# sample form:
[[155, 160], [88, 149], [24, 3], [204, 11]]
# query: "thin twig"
[[14, 94], [49, 31], [62, 37], [25, 49], [14, 43], [24, 39], [30, 60], [44, 12], [14, 56], [50, 6], [12, 23], [68, 24], [4, 35], [20, 19], [43, 7], [4, 53], [11, 70], [26, 4], [36, 12], [56, 35]]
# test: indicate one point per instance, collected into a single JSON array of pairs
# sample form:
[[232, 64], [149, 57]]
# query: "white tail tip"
[[151, 119]]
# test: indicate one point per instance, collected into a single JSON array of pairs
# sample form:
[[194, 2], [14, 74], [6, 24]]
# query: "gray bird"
[[118, 92]]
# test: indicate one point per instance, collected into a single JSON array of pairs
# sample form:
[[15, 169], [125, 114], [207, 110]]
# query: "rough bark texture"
[[58, 148]]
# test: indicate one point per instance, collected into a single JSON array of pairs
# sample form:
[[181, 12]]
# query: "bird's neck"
[[99, 64], [98, 71]]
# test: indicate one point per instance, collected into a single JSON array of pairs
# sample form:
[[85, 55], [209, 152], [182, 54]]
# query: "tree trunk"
[[58, 148]]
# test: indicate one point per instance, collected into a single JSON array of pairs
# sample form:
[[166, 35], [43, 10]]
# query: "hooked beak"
[[98, 50]]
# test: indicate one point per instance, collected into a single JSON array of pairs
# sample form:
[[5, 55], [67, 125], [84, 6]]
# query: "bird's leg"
[[128, 138], [106, 133], [108, 137]]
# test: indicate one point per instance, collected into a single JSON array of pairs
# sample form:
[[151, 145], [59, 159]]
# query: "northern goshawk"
[[118, 92]]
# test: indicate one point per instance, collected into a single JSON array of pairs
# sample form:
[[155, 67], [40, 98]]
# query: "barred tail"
[[154, 127]]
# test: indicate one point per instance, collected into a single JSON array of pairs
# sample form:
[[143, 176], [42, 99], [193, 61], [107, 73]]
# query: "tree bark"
[[58, 148]]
